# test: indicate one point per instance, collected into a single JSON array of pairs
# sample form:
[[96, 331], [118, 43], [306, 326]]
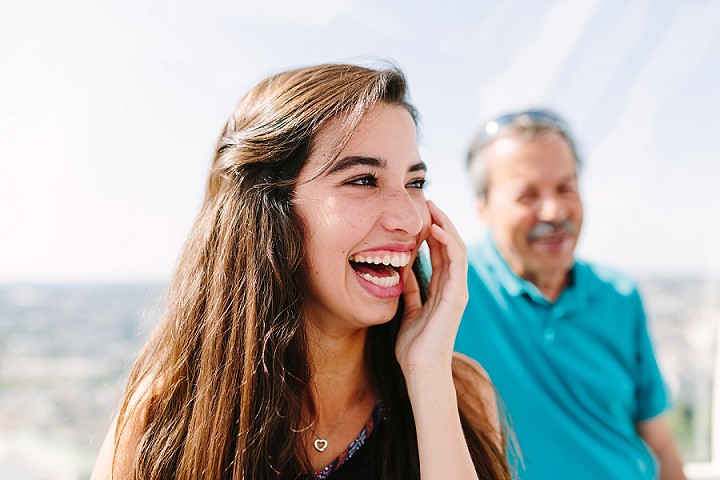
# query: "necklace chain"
[[321, 443]]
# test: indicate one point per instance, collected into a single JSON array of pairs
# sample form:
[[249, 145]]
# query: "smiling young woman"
[[300, 340]]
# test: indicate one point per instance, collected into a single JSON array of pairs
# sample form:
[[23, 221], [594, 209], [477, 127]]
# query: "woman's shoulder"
[[469, 374], [117, 453], [472, 382], [476, 394]]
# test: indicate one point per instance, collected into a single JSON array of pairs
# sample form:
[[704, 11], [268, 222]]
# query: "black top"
[[364, 465], [361, 459]]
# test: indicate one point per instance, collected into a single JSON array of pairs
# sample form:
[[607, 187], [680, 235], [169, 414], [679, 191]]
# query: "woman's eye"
[[363, 181], [417, 183]]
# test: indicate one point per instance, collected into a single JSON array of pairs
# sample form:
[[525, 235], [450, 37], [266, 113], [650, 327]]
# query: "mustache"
[[543, 229]]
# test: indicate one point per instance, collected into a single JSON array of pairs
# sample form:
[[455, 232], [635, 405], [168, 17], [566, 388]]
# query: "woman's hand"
[[427, 333], [424, 350]]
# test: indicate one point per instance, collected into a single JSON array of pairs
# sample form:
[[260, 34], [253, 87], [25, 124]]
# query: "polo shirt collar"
[[574, 296]]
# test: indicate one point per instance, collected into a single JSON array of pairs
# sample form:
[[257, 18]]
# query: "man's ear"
[[481, 208]]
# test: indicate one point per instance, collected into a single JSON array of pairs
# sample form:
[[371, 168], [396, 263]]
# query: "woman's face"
[[364, 216]]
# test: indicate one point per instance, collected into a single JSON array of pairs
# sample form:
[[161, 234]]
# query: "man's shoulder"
[[482, 254], [483, 262], [605, 278], [476, 253]]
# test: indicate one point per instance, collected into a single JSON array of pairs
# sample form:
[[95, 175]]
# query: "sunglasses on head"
[[538, 117]]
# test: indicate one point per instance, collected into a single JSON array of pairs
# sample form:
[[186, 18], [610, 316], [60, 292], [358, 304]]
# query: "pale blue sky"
[[109, 111]]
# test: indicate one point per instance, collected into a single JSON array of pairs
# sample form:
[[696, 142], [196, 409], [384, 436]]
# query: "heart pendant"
[[320, 444]]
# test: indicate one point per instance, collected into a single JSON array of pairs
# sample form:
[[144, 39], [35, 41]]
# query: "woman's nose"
[[403, 212]]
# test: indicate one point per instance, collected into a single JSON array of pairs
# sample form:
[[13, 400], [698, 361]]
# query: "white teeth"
[[390, 281], [397, 259]]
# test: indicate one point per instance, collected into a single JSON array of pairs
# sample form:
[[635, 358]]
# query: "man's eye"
[[526, 197], [363, 180], [417, 183]]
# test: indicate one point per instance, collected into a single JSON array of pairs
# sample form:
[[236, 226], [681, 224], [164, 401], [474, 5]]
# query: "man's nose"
[[552, 209]]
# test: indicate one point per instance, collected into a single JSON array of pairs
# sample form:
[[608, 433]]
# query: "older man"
[[565, 342]]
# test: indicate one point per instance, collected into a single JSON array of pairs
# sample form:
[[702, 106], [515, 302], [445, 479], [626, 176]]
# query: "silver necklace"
[[321, 443]]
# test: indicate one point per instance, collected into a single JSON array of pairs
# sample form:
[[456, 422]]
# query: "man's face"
[[533, 205]]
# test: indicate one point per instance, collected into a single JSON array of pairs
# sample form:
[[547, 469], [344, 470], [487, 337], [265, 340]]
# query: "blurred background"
[[108, 115]]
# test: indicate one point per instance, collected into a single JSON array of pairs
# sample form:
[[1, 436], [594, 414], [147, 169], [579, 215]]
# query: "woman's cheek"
[[426, 222]]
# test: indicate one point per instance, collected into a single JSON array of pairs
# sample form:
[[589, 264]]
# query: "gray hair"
[[524, 126]]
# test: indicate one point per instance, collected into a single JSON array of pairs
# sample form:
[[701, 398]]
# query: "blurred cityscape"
[[65, 351], [683, 317]]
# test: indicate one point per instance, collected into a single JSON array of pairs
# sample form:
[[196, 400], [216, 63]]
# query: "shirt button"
[[558, 312], [549, 335]]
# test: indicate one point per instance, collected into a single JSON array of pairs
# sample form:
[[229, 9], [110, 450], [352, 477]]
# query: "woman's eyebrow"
[[353, 160], [418, 167]]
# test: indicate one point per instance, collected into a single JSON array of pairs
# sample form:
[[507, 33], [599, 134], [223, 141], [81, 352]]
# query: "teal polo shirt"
[[575, 375]]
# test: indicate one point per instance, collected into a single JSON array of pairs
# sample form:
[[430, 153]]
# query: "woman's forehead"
[[382, 125]]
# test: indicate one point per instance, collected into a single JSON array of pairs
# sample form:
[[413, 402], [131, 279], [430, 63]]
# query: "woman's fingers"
[[428, 331], [447, 250], [440, 218], [411, 293]]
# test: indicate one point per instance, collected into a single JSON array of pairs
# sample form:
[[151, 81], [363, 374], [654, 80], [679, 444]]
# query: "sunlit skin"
[[369, 203], [531, 182]]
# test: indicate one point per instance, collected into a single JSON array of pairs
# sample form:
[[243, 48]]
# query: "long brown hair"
[[226, 375]]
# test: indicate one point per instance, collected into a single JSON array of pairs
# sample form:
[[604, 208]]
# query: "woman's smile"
[[381, 271]]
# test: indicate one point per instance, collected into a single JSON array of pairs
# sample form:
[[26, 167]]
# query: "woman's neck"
[[342, 394], [338, 361]]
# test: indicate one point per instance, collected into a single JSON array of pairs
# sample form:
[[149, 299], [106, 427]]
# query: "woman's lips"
[[380, 271]]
